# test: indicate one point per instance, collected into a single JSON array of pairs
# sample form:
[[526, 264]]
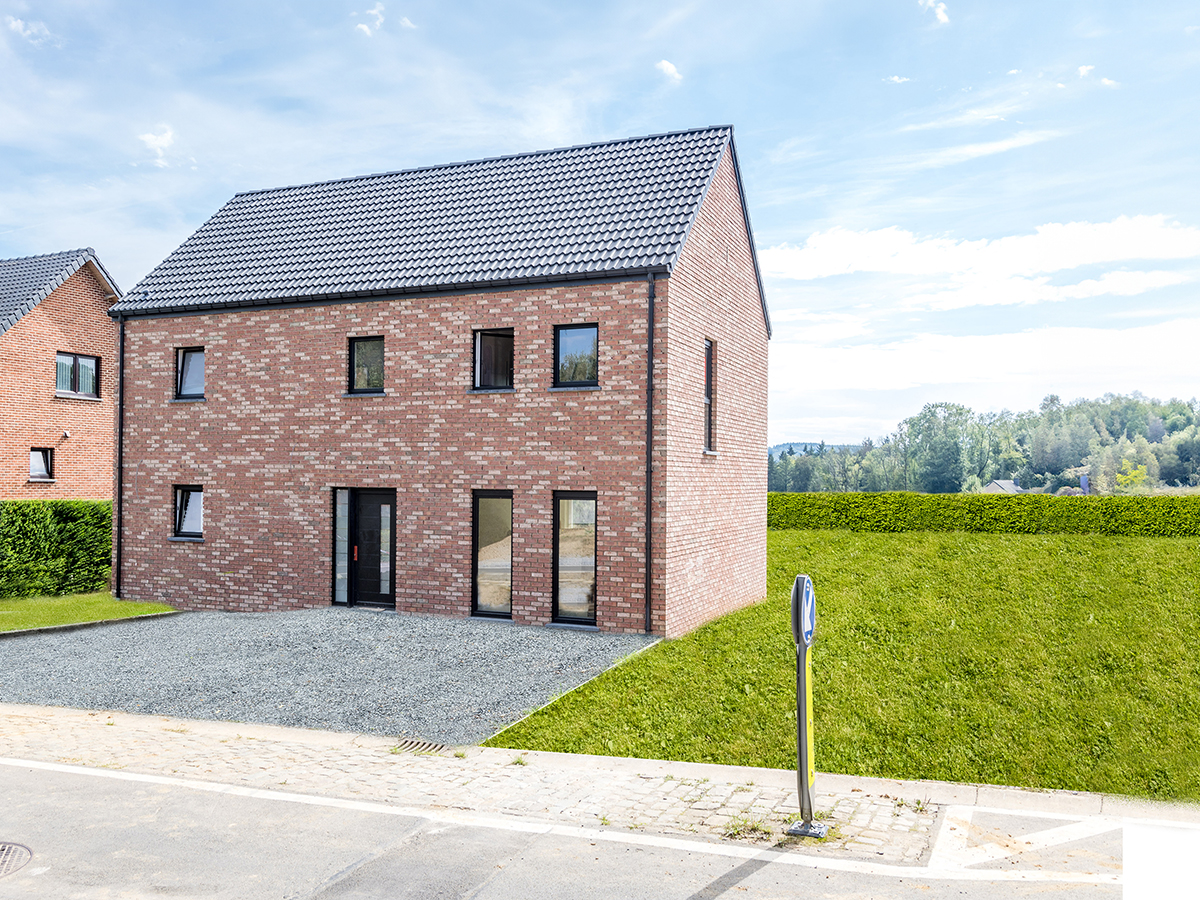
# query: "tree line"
[[1123, 444]]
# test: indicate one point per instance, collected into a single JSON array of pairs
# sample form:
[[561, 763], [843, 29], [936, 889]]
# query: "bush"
[[50, 547], [1161, 516]]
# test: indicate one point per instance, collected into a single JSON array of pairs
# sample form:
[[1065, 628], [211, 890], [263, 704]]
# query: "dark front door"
[[373, 548]]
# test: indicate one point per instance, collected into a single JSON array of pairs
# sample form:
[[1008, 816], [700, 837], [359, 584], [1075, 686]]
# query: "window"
[[575, 557], [366, 365], [576, 352], [710, 362], [77, 376], [341, 545], [41, 464], [493, 554], [189, 511], [494, 358], [189, 373]]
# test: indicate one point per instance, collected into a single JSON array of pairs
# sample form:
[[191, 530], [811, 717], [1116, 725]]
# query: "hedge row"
[[1177, 516], [50, 547]]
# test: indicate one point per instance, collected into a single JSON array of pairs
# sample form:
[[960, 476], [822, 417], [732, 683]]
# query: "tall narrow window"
[[189, 373], [385, 548], [189, 511], [76, 375], [575, 557], [366, 365], [493, 554], [341, 545], [710, 363], [41, 464], [576, 354], [494, 358]]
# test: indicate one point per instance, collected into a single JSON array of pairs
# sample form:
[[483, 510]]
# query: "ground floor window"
[[575, 557], [189, 510], [493, 554], [41, 464]]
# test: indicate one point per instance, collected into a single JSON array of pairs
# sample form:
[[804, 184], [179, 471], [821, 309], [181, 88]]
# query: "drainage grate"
[[12, 857], [415, 746]]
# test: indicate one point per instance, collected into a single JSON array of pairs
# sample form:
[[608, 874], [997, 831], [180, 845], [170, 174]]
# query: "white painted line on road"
[[951, 850], [515, 824]]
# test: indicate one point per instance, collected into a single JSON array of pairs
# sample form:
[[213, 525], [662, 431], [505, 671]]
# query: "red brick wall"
[[716, 550], [72, 319], [275, 435]]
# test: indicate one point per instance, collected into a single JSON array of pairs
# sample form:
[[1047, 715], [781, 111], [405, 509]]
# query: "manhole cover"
[[415, 746], [12, 857]]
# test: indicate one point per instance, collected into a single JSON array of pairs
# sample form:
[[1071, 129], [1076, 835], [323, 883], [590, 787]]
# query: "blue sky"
[[973, 202]]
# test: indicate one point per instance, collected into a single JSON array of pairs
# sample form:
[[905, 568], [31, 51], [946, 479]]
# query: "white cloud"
[[669, 70], [375, 12], [982, 290], [405, 23], [1084, 70], [1191, 29], [950, 156], [896, 79], [34, 32], [1108, 82], [1014, 71], [1053, 247], [365, 29], [158, 143], [938, 9]]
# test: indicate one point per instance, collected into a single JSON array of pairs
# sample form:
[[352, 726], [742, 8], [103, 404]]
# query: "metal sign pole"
[[804, 621]]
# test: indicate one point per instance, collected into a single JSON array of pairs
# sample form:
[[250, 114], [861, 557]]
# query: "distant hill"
[[799, 446]]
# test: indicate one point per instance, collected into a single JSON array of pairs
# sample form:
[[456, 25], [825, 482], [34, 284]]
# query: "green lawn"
[[37, 612], [1048, 661]]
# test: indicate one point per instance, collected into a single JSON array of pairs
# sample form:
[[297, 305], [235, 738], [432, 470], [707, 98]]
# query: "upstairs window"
[[576, 353], [494, 358], [366, 365], [189, 511], [710, 362], [189, 373], [77, 375], [41, 464]]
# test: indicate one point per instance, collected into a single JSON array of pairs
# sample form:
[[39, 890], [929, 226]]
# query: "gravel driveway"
[[455, 681]]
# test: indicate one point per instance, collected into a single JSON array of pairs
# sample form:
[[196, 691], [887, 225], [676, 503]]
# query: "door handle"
[[356, 552]]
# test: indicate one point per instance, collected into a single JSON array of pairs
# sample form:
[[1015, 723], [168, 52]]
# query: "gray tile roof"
[[26, 282], [603, 209]]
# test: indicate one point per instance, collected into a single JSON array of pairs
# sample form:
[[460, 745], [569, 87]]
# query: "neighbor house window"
[[710, 362], [189, 511], [189, 373], [575, 557], [494, 358], [576, 351], [493, 554], [366, 365], [41, 464], [77, 375]]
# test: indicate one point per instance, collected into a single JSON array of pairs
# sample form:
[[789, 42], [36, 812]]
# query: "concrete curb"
[[76, 626]]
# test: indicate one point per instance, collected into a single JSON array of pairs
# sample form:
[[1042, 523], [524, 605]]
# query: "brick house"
[[429, 389], [58, 367]]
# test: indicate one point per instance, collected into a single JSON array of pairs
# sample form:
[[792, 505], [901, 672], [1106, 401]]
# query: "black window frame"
[[710, 403], [75, 392], [558, 330], [48, 456], [476, 337], [176, 509], [350, 351], [180, 353], [475, 610], [555, 553]]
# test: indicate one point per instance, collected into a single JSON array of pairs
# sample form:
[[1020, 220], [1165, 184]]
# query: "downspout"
[[649, 443], [120, 457]]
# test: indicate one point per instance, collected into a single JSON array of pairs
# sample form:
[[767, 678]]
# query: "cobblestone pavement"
[[714, 802]]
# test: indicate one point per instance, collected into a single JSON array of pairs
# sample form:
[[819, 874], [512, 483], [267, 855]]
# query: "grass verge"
[[22, 613], [1045, 661]]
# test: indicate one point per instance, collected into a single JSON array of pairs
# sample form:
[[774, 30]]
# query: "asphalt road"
[[104, 837]]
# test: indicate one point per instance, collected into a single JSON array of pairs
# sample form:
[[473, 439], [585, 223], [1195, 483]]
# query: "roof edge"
[[83, 256], [384, 293]]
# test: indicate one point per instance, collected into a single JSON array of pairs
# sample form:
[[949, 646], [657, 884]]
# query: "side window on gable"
[[366, 365], [77, 375], [189, 373]]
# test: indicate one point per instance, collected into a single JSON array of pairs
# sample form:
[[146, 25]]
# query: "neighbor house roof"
[[615, 208], [26, 282]]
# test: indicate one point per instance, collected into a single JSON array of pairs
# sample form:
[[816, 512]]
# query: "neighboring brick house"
[[58, 366], [429, 389]]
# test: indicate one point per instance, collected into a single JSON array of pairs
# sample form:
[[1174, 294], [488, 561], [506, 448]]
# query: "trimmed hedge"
[[1162, 516], [52, 547]]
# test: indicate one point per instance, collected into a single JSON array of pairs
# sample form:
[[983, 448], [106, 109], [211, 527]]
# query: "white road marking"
[[951, 851], [526, 826]]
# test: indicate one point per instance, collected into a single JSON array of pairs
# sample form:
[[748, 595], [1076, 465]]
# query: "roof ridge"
[[485, 159], [74, 254]]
